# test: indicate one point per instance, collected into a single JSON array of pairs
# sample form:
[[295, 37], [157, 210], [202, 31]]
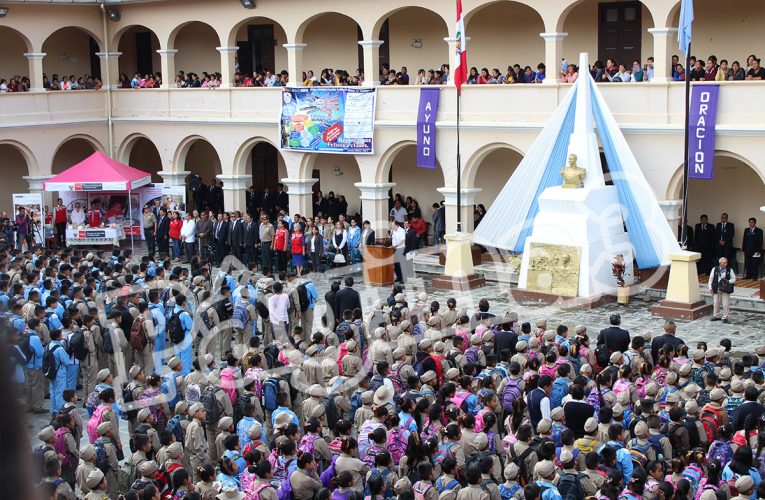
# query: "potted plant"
[[619, 270]]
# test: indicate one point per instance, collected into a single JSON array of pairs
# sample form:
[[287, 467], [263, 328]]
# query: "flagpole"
[[459, 168], [686, 163]]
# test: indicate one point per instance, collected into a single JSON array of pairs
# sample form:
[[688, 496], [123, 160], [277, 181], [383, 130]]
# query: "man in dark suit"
[[221, 238], [211, 197], [236, 235], [163, 232], [367, 235], [615, 337], [281, 199], [347, 298], [252, 201], [219, 195], [410, 241], [267, 203], [688, 235], [704, 243], [724, 232], [752, 248], [251, 239]]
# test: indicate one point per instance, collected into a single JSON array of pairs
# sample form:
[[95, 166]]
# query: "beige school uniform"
[[352, 365], [304, 486], [81, 474], [356, 467], [473, 492], [196, 446]]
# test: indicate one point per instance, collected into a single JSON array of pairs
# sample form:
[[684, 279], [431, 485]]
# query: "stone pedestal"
[[683, 297], [459, 273]]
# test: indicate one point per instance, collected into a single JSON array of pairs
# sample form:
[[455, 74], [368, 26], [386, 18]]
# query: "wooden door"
[[261, 37], [143, 54], [620, 32]]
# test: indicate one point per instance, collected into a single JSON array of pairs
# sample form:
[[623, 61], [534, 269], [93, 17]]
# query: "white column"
[[36, 186], [467, 200], [374, 205], [234, 191], [663, 46], [671, 210], [553, 55], [110, 68], [295, 62], [371, 61], [167, 59], [36, 70], [173, 178], [227, 65], [300, 193]]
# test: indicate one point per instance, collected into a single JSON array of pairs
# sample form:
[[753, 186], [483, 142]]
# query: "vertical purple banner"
[[426, 128], [701, 133]]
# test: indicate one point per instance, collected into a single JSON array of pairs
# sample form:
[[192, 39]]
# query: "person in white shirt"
[[398, 213], [397, 238], [623, 74], [278, 304], [189, 235], [77, 216], [721, 280]]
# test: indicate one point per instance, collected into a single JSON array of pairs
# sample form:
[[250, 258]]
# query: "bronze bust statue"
[[573, 174]]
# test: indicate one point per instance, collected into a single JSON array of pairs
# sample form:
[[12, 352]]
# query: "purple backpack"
[[285, 489], [511, 393], [327, 475]]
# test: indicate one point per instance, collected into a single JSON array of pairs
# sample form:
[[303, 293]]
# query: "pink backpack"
[[253, 493], [95, 421], [397, 444], [307, 443], [228, 384], [60, 446]]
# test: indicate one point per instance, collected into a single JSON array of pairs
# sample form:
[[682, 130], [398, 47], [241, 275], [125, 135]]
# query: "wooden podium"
[[378, 265]]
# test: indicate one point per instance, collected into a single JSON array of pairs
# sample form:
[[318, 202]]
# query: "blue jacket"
[[37, 352], [550, 491], [623, 459], [61, 357]]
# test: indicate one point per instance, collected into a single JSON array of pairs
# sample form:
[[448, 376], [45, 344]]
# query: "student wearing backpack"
[[183, 349], [196, 443], [55, 360], [88, 465], [473, 491], [348, 461], [570, 479], [35, 380], [106, 456], [52, 474], [143, 334]]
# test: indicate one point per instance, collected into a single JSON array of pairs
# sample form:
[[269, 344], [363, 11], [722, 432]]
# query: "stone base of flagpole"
[[459, 272], [683, 299]]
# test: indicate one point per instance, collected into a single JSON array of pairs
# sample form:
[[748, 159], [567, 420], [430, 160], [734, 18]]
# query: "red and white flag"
[[460, 53]]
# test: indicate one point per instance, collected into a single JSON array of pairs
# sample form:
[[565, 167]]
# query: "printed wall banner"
[[328, 119], [426, 127], [32, 202], [701, 133], [174, 198]]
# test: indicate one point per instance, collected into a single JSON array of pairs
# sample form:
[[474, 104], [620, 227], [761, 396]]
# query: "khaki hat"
[[350, 345], [590, 425], [96, 476], [511, 471], [426, 344], [90, 256], [283, 419], [545, 468], [135, 370], [511, 317], [312, 349], [366, 397], [521, 345], [452, 373], [379, 332], [88, 452], [399, 297], [329, 351], [737, 386], [481, 441], [713, 353], [225, 423], [182, 407], [579, 329], [148, 468], [316, 391], [405, 325], [193, 409], [317, 411], [541, 323], [208, 359], [673, 397], [143, 414], [744, 484], [566, 456], [439, 346], [760, 350], [651, 389], [691, 407], [549, 335], [698, 355], [557, 414], [46, 434], [175, 450], [544, 426], [393, 331], [475, 339], [646, 335], [487, 336], [641, 429], [615, 357], [691, 390], [617, 409], [255, 431], [383, 395], [198, 280], [685, 370], [103, 428], [586, 368], [671, 378], [725, 373], [717, 394], [174, 362], [428, 376], [402, 485], [103, 375], [534, 343], [230, 493]]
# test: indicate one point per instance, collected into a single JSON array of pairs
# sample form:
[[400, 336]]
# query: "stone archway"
[[140, 152], [15, 165], [72, 151], [71, 51], [489, 169]]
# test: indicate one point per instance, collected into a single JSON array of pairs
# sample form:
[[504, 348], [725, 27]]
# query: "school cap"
[[405, 325], [615, 357], [399, 297], [255, 431], [671, 378], [281, 440], [428, 376], [698, 355], [651, 389], [685, 370], [46, 434], [760, 350], [174, 362], [543, 426], [175, 450], [617, 409], [725, 373], [557, 413], [579, 329], [224, 423], [744, 483], [521, 345], [404, 484], [148, 468], [103, 375], [87, 453], [481, 441], [195, 408], [366, 397], [103, 428], [590, 425], [549, 335], [534, 343], [691, 407], [317, 411], [673, 397], [487, 336], [283, 419], [135, 370], [452, 373], [425, 344], [422, 296], [475, 339], [198, 280], [541, 323], [511, 471], [316, 391], [379, 332], [182, 407], [143, 414], [641, 429], [439, 346], [511, 317], [586, 368], [737, 386], [691, 390], [96, 476], [383, 395], [350, 345], [312, 349], [717, 394], [545, 468], [566, 456]]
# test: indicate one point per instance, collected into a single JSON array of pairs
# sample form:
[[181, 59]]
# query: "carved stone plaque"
[[554, 269]]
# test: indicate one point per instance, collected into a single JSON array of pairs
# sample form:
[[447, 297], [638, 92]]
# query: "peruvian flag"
[[460, 53]]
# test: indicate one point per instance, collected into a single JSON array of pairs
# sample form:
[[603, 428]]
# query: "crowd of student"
[[227, 388]]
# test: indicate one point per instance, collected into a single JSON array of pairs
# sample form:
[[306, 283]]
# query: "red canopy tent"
[[98, 172]]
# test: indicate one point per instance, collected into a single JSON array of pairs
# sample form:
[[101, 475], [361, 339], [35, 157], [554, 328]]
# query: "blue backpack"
[[270, 390], [174, 427], [101, 462], [389, 493], [558, 392], [285, 489], [355, 404], [240, 317]]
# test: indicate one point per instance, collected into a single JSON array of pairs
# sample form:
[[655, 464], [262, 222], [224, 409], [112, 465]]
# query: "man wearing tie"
[[251, 239], [267, 203], [724, 237], [252, 201], [752, 248], [236, 235], [281, 199], [221, 239], [163, 232], [367, 236], [705, 240]]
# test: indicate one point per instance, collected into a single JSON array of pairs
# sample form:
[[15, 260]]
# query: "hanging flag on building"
[[701, 137], [460, 53], [686, 27], [426, 127]]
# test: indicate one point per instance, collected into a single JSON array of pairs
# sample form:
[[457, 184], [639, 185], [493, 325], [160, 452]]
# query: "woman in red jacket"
[[175, 233], [279, 245], [298, 260]]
